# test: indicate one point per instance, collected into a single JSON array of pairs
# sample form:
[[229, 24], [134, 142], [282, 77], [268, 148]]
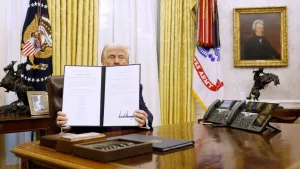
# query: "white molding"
[[287, 104], [291, 104]]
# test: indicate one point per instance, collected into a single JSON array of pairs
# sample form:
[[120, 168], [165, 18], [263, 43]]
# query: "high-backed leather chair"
[[54, 87]]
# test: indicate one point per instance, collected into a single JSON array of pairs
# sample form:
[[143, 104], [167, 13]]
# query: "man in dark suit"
[[258, 47], [112, 55]]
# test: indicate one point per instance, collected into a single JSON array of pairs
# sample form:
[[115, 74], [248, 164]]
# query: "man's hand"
[[141, 117], [61, 120]]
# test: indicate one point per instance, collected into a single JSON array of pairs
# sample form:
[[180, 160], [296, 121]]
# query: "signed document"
[[101, 96], [122, 87]]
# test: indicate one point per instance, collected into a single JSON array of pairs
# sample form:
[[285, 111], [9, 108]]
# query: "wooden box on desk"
[[51, 140], [65, 144], [111, 150]]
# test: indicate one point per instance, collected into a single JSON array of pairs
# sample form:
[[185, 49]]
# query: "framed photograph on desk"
[[260, 37], [38, 102]]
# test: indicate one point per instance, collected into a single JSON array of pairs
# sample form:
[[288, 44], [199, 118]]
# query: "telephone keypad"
[[243, 120], [218, 117]]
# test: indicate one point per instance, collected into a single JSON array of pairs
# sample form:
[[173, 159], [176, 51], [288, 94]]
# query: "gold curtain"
[[177, 25], [75, 33]]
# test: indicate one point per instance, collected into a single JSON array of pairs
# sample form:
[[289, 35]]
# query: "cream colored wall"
[[2, 145], [2, 63], [238, 80], [241, 78], [2, 59]]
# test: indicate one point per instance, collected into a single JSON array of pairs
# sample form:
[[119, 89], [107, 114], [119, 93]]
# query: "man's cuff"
[[146, 126]]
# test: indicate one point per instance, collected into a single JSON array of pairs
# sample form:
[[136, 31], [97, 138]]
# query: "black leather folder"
[[160, 144]]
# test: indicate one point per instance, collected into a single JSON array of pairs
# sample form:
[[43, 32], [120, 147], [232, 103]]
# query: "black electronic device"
[[255, 117], [219, 110]]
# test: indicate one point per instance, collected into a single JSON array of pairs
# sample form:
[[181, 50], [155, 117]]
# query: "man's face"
[[115, 56], [259, 29]]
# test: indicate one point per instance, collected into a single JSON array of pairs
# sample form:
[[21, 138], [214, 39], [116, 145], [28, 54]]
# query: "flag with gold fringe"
[[207, 81], [36, 45]]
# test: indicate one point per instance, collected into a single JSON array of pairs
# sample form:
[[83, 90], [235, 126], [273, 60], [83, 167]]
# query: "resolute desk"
[[214, 148]]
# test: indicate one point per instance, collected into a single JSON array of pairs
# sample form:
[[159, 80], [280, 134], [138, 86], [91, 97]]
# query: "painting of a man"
[[258, 47], [260, 37]]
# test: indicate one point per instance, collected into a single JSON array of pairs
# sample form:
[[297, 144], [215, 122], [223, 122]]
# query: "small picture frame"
[[38, 102]]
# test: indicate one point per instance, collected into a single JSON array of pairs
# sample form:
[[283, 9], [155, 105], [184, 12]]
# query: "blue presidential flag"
[[36, 45]]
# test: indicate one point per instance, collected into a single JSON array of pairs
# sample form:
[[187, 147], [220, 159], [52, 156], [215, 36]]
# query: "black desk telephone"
[[220, 111], [253, 116]]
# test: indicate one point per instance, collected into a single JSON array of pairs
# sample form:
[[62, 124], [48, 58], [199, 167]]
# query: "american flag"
[[28, 48]]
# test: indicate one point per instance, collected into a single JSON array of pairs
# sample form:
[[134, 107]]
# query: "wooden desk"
[[214, 148], [12, 124]]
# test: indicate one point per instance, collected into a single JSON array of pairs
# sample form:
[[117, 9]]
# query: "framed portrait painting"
[[260, 37], [38, 102]]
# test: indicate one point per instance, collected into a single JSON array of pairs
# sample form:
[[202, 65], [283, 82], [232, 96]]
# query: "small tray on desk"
[[111, 150]]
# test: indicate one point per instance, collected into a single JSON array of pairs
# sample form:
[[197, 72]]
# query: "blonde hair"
[[114, 46]]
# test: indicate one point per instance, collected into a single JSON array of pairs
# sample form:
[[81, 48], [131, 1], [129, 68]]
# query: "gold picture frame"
[[263, 45], [38, 102]]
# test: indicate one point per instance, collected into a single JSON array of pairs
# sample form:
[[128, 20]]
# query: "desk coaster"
[[111, 150]]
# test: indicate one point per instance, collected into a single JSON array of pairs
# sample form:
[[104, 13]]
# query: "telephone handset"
[[255, 117], [238, 107], [211, 109], [218, 111]]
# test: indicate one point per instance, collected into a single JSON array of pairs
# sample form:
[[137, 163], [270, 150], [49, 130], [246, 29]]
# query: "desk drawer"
[[12, 126]]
